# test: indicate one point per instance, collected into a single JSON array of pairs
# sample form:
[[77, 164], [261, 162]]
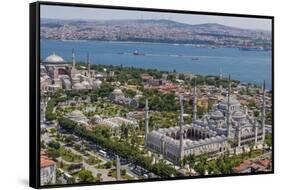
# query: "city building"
[[116, 122], [47, 170], [249, 166], [78, 117], [117, 96]]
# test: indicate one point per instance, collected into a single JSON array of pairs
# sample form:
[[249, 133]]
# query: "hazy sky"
[[63, 12]]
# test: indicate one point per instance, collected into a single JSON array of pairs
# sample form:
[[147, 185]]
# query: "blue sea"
[[246, 66]]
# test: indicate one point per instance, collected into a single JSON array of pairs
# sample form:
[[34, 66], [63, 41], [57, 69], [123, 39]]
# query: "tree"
[[124, 131], [212, 167], [201, 166], [69, 140], [77, 147], [54, 144], [191, 160], [99, 177], [268, 139], [256, 113], [162, 169], [53, 131], [53, 154], [49, 110], [85, 176], [61, 164], [123, 172], [67, 124], [108, 165]]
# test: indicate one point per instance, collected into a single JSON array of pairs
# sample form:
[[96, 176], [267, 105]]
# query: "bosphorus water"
[[246, 66]]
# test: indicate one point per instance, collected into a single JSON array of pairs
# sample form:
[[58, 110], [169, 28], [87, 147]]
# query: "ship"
[[137, 53], [194, 58], [252, 49]]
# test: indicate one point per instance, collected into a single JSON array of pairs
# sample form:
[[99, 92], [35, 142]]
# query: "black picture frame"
[[34, 90]]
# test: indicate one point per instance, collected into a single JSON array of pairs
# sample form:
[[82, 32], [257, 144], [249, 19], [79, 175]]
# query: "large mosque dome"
[[53, 58], [237, 115]]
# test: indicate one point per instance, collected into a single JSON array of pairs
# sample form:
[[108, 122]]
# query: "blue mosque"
[[227, 127]]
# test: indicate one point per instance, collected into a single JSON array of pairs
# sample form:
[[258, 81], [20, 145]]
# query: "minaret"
[[118, 177], [239, 135], [73, 59], [146, 109], [263, 113], [220, 80], [228, 107], [181, 129], [194, 102], [88, 64], [256, 132]]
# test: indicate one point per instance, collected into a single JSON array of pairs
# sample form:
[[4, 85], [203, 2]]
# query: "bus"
[[102, 153]]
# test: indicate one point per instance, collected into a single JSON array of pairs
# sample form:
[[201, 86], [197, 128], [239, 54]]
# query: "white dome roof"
[[98, 82], [117, 91], [78, 86], [85, 83], [97, 117], [53, 58]]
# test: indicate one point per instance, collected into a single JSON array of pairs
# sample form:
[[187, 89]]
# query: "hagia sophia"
[[56, 73]]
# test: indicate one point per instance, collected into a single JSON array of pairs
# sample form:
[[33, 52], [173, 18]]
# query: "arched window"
[[62, 71]]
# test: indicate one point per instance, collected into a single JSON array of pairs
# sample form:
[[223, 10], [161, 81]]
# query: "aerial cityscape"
[[150, 98]]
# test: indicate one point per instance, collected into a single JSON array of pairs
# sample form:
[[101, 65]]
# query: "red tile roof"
[[46, 162], [265, 163], [246, 164]]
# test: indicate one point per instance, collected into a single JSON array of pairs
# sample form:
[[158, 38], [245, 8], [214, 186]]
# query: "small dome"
[[53, 58], [217, 114], [97, 117], [117, 91], [238, 115], [85, 83], [97, 81], [78, 86]]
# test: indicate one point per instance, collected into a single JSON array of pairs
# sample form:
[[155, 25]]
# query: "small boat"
[[137, 53], [120, 53], [194, 58]]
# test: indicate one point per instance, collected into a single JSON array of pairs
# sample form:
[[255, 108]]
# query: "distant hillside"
[[153, 31]]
